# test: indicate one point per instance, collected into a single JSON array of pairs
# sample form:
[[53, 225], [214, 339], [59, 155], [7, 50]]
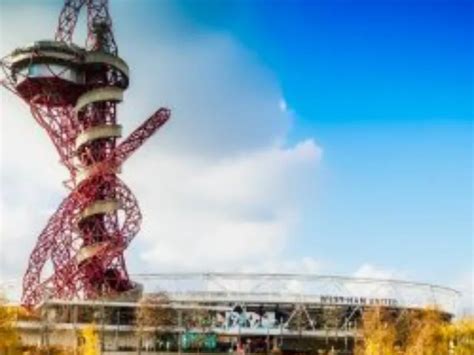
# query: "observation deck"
[[56, 73]]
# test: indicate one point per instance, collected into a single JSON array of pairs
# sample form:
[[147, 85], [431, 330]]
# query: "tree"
[[414, 332], [198, 323], [378, 333], [154, 315], [91, 342], [460, 336], [9, 338], [426, 334]]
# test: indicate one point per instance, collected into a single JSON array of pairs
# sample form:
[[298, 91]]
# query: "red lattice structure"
[[73, 93]]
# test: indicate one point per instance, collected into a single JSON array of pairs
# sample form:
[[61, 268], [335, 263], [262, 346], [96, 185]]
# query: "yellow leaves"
[[426, 334], [153, 315], [461, 336], [414, 332], [9, 337], [91, 342], [378, 333]]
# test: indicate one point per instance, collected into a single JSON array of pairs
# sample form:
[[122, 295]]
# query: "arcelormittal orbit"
[[73, 93]]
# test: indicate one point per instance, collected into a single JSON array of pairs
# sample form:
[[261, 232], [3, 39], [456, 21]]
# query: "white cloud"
[[223, 101], [219, 186], [219, 214], [374, 272]]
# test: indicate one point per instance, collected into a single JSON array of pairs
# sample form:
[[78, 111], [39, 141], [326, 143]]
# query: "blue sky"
[[386, 88], [368, 161]]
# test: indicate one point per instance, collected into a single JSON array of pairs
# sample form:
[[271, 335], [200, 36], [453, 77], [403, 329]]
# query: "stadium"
[[221, 312], [77, 281]]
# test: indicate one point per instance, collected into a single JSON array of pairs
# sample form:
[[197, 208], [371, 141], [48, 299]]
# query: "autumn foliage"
[[382, 331], [378, 333], [90, 340], [9, 337], [411, 332]]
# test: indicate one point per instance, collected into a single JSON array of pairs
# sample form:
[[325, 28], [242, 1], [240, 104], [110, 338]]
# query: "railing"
[[300, 288]]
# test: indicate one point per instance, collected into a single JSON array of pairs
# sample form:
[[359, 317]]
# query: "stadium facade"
[[218, 312]]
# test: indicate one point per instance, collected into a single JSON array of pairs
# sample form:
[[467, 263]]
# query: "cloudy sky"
[[328, 137]]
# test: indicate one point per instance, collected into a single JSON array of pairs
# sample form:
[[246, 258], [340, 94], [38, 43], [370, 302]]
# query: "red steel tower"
[[73, 93]]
